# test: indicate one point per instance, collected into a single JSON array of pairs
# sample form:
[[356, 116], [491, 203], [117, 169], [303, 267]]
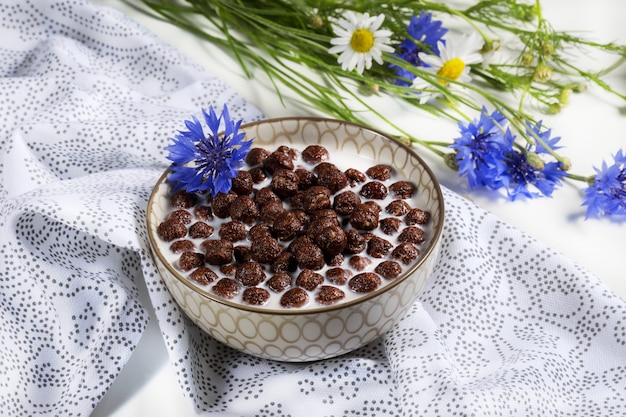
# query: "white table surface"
[[593, 128]]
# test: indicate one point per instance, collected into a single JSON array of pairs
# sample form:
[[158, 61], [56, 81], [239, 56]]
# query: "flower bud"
[[579, 87], [554, 108], [450, 160], [566, 164], [547, 49], [317, 21], [542, 73], [564, 96], [534, 160], [373, 88], [492, 45], [527, 60]]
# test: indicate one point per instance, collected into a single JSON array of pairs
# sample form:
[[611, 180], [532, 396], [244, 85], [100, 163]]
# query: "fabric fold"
[[506, 326]]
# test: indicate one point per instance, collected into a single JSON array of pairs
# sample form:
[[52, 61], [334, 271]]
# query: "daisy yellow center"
[[452, 68], [362, 40]]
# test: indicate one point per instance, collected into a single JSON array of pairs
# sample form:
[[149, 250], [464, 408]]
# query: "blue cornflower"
[[521, 173], [544, 136], [607, 194], [208, 162], [424, 36], [479, 149]]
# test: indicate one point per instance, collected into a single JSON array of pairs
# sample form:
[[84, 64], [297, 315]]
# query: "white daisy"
[[453, 62], [359, 40]]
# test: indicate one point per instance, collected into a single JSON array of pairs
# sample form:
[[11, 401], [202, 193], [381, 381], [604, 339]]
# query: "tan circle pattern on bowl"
[[324, 332]]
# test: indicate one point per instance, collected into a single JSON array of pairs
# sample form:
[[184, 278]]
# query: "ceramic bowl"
[[295, 335]]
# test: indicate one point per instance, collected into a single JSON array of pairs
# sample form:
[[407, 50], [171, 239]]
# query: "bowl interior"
[[340, 138]]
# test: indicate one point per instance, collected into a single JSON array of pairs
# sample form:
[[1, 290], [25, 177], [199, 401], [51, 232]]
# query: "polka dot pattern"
[[88, 98]]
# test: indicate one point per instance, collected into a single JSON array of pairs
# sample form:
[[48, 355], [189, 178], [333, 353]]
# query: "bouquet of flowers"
[[487, 66]]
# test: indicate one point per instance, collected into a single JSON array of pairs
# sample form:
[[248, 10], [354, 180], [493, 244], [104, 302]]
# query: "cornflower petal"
[[607, 194], [208, 162], [424, 35], [480, 147]]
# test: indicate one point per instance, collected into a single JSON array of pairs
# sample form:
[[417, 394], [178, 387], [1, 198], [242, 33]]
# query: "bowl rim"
[[426, 253]]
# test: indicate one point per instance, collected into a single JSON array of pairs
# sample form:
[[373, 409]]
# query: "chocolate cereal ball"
[[412, 234], [402, 189], [377, 247], [281, 158], [284, 183], [359, 263], [332, 240], [190, 260], [328, 295], [217, 251], [309, 280], [295, 297], [345, 202], [202, 212], [330, 176], [306, 178], [258, 175], [388, 269], [242, 184], [258, 231], [405, 252], [226, 288], [265, 249], [171, 229], [183, 199], [256, 156], [233, 230], [279, 281], [183, 245], [181, 215], [354, 177], [398, 208], [243, 209], [200, 230], [390, 225], [250, 274], [355, 242], [203, 275], [364, 282], [309, 256], [255, 296], [315, 198], [265, 195], [269, 211], [287, 225], [338, 276], [364, 218], [314, 154], [374, 190], [242, 253], [379, 172], [416, 216], [284, 262], [221, 204]]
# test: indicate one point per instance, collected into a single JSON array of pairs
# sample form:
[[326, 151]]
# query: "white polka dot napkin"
[[88, 101]]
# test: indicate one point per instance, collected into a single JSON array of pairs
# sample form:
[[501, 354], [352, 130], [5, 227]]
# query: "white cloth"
[[88, 101]]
